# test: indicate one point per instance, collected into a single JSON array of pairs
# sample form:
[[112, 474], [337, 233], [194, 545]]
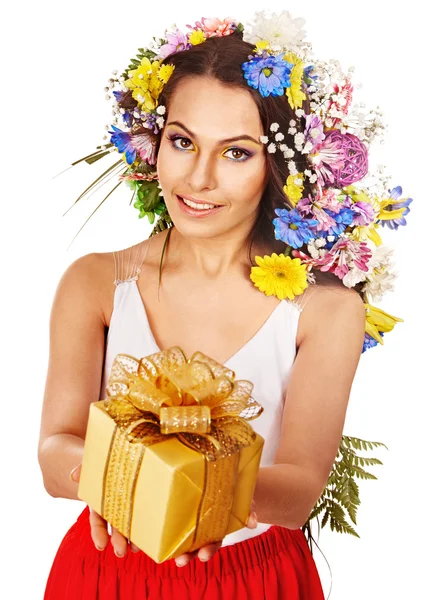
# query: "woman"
[[209, 155]]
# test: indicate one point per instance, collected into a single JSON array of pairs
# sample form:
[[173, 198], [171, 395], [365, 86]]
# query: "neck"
[[209, 258]]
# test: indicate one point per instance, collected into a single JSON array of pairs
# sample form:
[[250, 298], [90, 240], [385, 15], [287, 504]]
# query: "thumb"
[[252, 520], [75, 473]]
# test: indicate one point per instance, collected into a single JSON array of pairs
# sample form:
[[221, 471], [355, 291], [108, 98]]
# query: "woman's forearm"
[[57, 456], [283, 496]]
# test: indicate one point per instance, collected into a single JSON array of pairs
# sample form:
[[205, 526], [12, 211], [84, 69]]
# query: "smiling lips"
[[198, 204], [197, 208]]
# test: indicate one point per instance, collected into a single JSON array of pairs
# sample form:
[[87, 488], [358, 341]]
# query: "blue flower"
[[370, 342], [293, 229], [394, 195], [118, 95], [122, 141], [342, 220], [268, 75], [128, 118], [307, 75]]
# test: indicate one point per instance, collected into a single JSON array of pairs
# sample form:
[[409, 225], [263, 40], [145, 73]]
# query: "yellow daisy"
[[279, 275], [196, 37], [165, 72], [262, 45], [378, 320], [294, 93], [145, 83], [294, 191]]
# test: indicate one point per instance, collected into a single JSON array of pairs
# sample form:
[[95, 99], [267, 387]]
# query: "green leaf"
[[104, 199], [97, 181], [341, 492], [151, 196]]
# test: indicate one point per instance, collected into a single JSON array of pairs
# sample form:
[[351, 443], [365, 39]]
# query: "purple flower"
[[118, 95], [176, 42], [364, 213], [394, 195], [292, 228], [268, 74], [313, 131]]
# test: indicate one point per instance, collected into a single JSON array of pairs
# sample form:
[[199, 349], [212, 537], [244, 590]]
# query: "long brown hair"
[[220, 58]]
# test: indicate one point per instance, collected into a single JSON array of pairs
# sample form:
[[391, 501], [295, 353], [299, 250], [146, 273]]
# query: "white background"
[[56, 59]]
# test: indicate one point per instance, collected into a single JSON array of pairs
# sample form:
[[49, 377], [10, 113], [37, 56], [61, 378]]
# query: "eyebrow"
[[225, 141]]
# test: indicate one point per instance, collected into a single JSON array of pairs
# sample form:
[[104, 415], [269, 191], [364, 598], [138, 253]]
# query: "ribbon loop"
[[197, 400]]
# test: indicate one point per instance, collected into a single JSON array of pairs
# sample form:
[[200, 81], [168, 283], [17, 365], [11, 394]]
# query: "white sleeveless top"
[[266, 359]]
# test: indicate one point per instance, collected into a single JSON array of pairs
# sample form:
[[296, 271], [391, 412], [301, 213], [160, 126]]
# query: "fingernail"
[[252, 521], [181, 563], [118, 554], [72, 472], [98, 547], [204, 557]]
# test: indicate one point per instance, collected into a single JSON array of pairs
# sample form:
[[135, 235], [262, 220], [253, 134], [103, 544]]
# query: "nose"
[[202, 173]]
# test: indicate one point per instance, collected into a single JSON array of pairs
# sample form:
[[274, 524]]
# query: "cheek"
[[164, 171]]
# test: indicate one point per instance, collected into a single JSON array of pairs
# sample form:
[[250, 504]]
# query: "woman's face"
[[197, 160]]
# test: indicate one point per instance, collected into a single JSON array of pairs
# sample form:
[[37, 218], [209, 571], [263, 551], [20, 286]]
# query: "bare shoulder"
[[88, 280], [325, 302]]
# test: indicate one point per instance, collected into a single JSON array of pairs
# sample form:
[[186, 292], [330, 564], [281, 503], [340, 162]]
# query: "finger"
[[75, 474], [252, 520], [206, 552], [119, 543], [99, 532], [184, 559]]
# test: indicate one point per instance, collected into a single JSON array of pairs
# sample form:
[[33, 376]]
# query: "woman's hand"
[[99, 531], [206, 552]]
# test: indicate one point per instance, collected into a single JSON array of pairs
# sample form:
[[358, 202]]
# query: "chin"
[[198, 231]]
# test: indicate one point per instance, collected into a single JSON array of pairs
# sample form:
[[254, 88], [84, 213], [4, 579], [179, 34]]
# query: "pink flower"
[[342, 100], [345, 253], [177, 41], [138, 177], [313, 208], [214, 27]]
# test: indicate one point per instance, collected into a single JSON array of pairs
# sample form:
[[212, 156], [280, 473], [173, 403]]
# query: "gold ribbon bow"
[[197, 400]]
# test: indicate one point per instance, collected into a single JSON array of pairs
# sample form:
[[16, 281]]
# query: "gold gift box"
[[169, 459]]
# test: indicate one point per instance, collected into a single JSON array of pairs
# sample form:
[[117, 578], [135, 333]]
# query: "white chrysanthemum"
[[354, 276], [280, 30], [379, 284], [381, 274], [381, 257]]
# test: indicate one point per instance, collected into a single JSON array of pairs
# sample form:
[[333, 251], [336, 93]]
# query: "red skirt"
[[275, 565]]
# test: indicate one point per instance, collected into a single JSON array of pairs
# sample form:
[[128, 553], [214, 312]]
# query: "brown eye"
[[241, 157], [235, 150], [184, 140]]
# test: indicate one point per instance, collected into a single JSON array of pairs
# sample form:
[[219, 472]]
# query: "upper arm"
[[319, 386], [77, 339]]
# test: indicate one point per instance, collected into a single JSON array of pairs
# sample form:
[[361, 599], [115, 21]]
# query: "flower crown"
[[333, 228]]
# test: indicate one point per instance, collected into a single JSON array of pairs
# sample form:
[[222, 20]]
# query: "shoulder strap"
[[127, 265], [305, 297]]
